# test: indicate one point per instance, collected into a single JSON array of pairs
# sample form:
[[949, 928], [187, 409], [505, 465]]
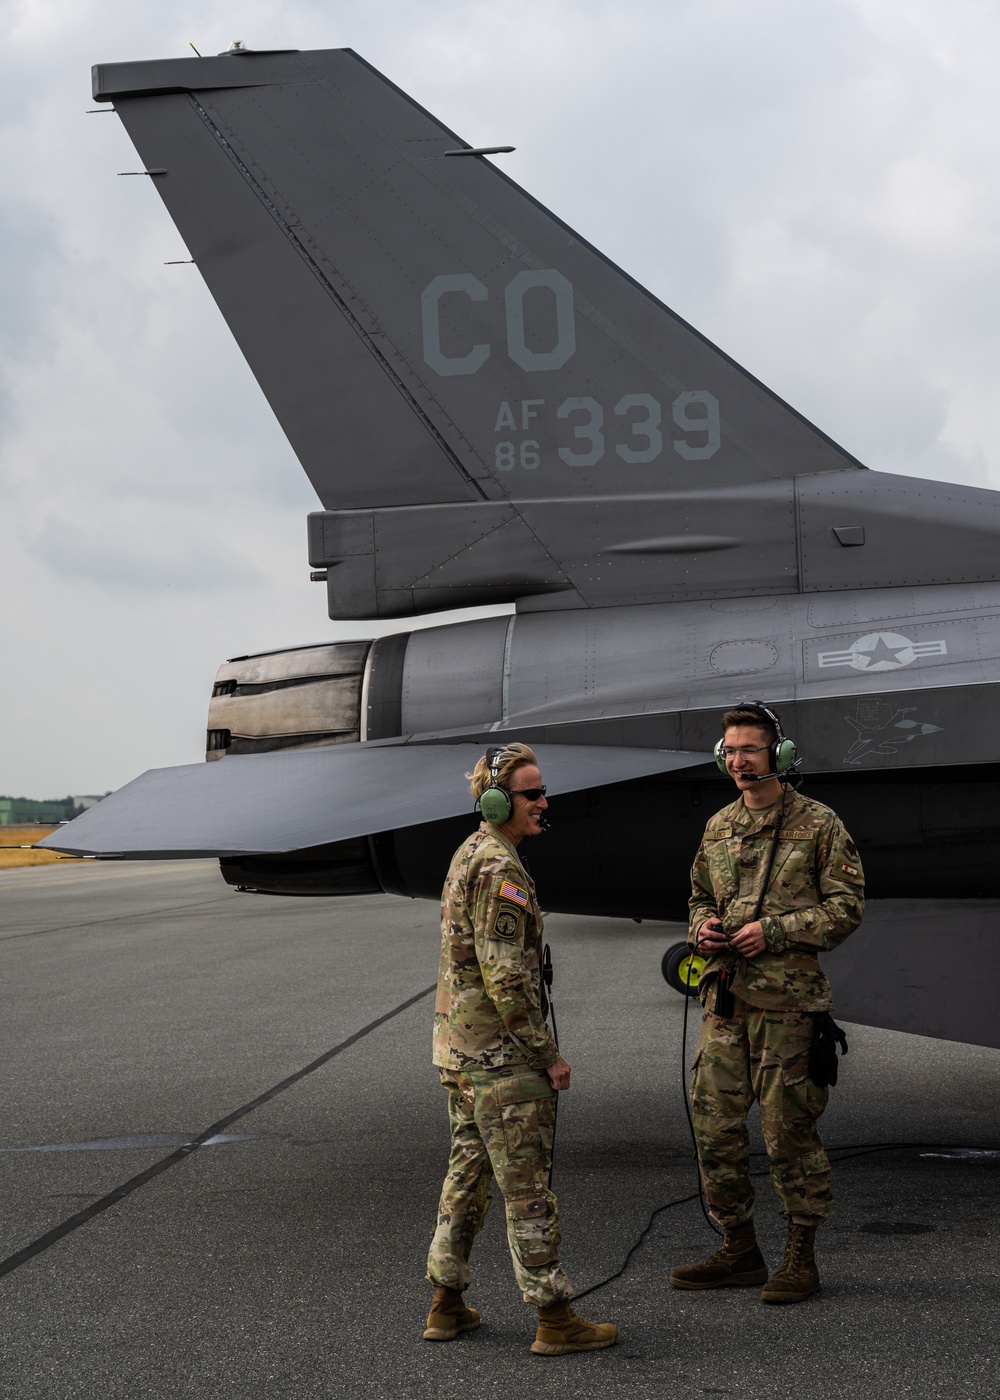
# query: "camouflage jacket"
[[814, 899], [488, 1011]]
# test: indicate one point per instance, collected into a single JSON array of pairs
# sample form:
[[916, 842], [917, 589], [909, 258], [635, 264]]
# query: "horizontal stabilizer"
[[296, 800]]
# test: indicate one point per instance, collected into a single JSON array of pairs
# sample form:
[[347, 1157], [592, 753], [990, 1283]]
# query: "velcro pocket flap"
[[796, 1069], [529, 1207], [536, 1234], [523, 1088]]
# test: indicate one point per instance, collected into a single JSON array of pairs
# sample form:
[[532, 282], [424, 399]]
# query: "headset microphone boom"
[[496, 803], [782, 754]]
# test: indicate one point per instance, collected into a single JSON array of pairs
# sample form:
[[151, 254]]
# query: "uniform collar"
[[750, 820], [488, 829]]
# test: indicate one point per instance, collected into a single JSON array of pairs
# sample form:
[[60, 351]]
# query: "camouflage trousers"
[[502, 1126], [762, 1055]]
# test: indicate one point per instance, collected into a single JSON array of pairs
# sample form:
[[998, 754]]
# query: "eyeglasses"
[[532, 794], [747, 752]]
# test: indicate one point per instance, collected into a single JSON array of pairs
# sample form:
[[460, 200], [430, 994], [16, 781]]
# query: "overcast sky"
[[815, 184]]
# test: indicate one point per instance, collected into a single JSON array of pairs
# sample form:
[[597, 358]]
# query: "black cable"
[[548, 1004], [849, 1151], [698, 1195], [680, 1201], [865, 1149], [852, 1150], [549, 1011], [687, 1109]]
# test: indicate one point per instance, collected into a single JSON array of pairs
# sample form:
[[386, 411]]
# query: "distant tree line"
[[22, 811]]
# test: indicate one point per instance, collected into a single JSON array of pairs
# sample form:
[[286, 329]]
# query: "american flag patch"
[[509, 891]]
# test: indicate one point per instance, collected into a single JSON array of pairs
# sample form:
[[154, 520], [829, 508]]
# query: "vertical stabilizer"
[[424, 330]]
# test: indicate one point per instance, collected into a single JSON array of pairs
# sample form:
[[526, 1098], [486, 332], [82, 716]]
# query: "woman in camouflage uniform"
[[499, 1066], [759, 1048]]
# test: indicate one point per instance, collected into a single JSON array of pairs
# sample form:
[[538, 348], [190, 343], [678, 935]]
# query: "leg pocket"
[[527, 1116], [534, 1223], [802, 1097]]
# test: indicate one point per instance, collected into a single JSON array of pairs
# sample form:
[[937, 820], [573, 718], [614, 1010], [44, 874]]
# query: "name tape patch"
[[514, 892]]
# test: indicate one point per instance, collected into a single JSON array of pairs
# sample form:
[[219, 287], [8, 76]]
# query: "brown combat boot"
[[448, 1316], [739, 1263], [560, 1331], [798, 1276]]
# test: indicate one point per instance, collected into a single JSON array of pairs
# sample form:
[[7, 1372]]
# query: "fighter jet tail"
[[452, 364]]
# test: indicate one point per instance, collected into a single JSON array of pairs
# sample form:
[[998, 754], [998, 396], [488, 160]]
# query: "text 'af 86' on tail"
[[488, 408]]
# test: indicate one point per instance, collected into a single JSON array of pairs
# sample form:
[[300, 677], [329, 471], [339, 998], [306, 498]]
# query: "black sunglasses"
[[532, 794]]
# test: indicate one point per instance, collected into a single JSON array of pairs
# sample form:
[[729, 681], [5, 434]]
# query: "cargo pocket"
[[526, 1113], [795, 1068], [535, 1229], [815, 1163], [801, 1094]]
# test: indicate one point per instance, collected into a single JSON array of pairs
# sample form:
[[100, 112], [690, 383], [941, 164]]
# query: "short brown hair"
[[733, 719]]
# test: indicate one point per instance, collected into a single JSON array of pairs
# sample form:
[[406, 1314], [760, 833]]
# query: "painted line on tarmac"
[[90, 873], [53, 1236], [109, 919]]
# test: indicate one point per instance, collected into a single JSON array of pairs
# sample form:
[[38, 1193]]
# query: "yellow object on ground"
[[12, 838]]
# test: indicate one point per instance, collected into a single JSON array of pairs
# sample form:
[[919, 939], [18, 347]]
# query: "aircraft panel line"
[[355, 323]]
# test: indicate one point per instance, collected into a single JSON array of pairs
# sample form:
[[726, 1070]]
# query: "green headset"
[[782, 754], [495, 802]]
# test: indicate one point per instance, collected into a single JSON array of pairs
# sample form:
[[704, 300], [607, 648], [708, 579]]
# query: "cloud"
[[814, 186], [129, 551]]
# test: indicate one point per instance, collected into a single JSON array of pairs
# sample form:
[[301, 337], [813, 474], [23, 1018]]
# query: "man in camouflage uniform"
[[500, 1067], [760, 1050]]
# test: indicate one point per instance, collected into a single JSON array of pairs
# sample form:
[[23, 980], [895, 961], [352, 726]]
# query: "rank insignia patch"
[[506, 923], [509, 891]]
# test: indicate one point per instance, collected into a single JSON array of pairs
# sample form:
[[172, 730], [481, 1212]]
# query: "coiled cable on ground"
[[848, 1151], [843, 1154]]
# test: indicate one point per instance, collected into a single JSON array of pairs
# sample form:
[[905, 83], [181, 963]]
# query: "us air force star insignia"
[[506, 922], [882, 651]]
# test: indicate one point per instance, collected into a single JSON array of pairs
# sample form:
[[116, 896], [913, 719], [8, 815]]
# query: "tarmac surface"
[[147, 1008]]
